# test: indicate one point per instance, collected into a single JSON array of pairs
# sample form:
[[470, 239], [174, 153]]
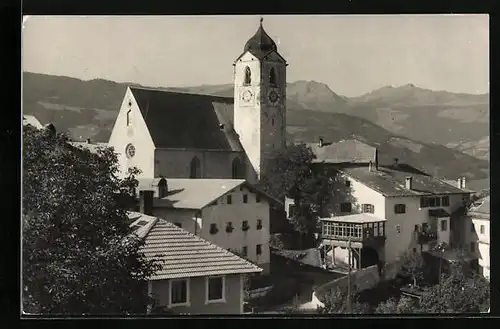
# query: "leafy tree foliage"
[[412, 264], [314, 189], [457, 293], [336, 302], [395, 306], [78, 254]]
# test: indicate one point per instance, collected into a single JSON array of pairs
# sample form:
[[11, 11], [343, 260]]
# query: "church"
[[184, 135]]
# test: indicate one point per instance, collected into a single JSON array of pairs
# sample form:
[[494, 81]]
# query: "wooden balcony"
[[361, 229]]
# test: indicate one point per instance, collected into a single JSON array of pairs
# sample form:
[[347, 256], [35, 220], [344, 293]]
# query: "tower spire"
[[261, 20]]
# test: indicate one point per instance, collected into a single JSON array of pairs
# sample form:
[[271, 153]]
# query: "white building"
[[384, 209], [230, 213], [478, 222], [168, 133]]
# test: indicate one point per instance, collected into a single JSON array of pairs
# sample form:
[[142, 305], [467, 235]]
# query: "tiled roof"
[[309, 257], [31, 120], [345, 151], [481, 208], [390, 181], [92, 147], [468, 188], [184, 254], [355, 218], [190, 121], [187, 193]]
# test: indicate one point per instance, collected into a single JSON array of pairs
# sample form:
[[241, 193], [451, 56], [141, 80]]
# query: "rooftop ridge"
[[173, 91]]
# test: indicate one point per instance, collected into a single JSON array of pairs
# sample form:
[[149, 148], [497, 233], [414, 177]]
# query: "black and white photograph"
[[250, 165]]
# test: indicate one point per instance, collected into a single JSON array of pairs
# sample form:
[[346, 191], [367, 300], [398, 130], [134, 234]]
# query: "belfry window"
[[248, 76], [272, 76]]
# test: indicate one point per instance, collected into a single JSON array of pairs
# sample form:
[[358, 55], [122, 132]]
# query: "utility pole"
[[349, 276]]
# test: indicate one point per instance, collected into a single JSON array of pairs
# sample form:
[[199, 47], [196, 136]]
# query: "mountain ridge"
[[87, 109]]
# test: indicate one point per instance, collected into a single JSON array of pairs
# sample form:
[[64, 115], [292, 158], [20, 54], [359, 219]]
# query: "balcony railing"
[[355, 232]]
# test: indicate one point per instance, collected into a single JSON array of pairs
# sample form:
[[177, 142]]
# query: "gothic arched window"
[[195, 171], [162, 188], [272, 76], [238, 170], [248, 76]]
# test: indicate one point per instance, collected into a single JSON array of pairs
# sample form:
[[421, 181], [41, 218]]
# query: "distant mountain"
[[88, 109]]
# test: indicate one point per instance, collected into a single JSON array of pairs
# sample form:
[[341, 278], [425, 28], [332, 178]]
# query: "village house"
[[196, 276], [386, 209], [477, 224], [168, 133], [230, 213]]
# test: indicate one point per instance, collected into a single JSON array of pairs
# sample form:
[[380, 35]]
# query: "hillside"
[[435, 117], [87, 109]]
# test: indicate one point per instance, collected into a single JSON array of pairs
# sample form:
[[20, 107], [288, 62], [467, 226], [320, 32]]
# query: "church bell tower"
[[260, 99]]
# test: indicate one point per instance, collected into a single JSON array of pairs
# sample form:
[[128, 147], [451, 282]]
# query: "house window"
[[245, 198], [178, 224], [445, 201], [129, 114], [347, 183], [400, 208], [481, 229], [179, 292], [432, 202], [258, 249], [244, 225], [257, 197], [213, 229], [259, 224], [248, 76], [244, 251], [345, 207], [215, 289], [272, 77], [381, 229], [472, 247], [195, 169], [229, 199], [162, 188], [229, 227], [444, 225], [291, 210], [368, 208], [424, 202]]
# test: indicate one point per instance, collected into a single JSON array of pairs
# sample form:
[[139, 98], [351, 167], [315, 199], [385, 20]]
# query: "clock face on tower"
[[247, 96], [273, 97], [130, 151]]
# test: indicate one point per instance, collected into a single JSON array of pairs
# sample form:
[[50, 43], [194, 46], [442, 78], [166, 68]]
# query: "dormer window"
[[162, 188], [248, 76], [272, 76]]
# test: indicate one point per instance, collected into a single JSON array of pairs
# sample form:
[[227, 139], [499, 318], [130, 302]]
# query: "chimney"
[[146, 202], [375, 160], [459, 182], [370, 166], [396, 160], [409, 182], [320, 142], [463, 182]]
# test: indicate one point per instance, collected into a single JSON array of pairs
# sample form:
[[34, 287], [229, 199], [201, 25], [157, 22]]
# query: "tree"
[[291, 175], [335, 302], [412, 264], [404, 305], [458, 292], [79, 256]]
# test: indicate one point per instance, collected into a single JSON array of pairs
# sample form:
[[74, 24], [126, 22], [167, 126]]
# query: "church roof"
[[187, 121], [260, 44]]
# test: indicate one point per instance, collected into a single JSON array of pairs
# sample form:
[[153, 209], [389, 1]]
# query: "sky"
[[352, 54]]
